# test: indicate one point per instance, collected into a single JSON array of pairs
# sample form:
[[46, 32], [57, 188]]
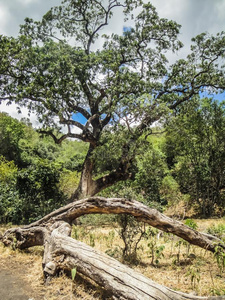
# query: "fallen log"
[[63, 252], [120, 280], [102, 205]]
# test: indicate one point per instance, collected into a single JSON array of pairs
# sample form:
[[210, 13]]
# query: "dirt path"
[[13, 287], [13, 283]]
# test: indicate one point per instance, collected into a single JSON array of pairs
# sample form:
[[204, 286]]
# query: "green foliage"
[[195, 152], [131, 233], [11, 132], [220, 257], [155, 251], [217, 292], [194, 274], [37, 182], [217, 230], [92, 240], [9, 197], [191, 223], [170, 190], [38, 186], [151, 168], [73, 273], [8, 170]]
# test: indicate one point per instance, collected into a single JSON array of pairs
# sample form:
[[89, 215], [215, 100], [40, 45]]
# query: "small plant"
[[220, 258], [73, 273], [109, 238], [194, 274], [114, 252], [178, 246], [191, 223], [217, 292], [78, 233], [91, 239], [155, 251], [131, 233]]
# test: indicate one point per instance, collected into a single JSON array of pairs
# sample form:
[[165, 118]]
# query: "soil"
[[13, 283]]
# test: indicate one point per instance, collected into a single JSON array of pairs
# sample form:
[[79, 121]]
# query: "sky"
[[195, 16]]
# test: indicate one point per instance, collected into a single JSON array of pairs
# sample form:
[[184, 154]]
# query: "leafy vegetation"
[[183, 164], [109, 89], [32, 184]]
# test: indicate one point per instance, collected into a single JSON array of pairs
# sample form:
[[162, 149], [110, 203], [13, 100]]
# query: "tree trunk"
[[88, 187], [63, 252]]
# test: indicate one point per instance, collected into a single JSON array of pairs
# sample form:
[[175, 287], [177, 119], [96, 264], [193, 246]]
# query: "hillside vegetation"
[[178, 168]]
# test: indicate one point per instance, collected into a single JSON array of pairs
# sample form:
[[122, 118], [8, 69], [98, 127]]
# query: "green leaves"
[[195, 149], [69, 64], [73, 273]]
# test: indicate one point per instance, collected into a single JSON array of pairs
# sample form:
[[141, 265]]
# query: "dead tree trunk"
[[63, 252], [121, 281]]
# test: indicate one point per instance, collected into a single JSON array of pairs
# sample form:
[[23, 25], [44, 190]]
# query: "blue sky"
[[219, 97], [79, 118]]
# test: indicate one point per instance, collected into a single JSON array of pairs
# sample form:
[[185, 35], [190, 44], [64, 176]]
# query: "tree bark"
[[86, 185], [63, 252]]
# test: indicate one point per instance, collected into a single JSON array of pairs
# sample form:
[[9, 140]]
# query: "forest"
[[181, 162], [126, 139]]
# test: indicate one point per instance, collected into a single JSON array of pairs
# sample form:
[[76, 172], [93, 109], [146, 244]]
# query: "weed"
[[114, 252], [155, 251], [109, 238], [131, 233], [217, 230], [73, 273], [78, 233], [220, 258], [191, 223], [194, 274], [91, 239], [217, 292]]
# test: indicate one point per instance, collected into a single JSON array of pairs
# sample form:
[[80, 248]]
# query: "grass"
[[180, 266]]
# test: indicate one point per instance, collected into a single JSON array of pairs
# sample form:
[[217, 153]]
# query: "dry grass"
[[189, 270]]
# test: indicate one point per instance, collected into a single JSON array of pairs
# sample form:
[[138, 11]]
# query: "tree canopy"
[[67, 65]]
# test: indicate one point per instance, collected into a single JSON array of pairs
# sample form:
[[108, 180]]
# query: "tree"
[[8, 194], [195, 145], [120, 88], [30, 172], [66, 65]]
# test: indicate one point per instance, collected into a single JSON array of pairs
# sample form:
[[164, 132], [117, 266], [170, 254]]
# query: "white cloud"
[[13, 112], [4, 16], [26, 2]]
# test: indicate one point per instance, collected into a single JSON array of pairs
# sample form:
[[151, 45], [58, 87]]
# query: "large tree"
[[195, 147], [68, 65]]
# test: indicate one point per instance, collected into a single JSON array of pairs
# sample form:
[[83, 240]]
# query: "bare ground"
[[13, 282]]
